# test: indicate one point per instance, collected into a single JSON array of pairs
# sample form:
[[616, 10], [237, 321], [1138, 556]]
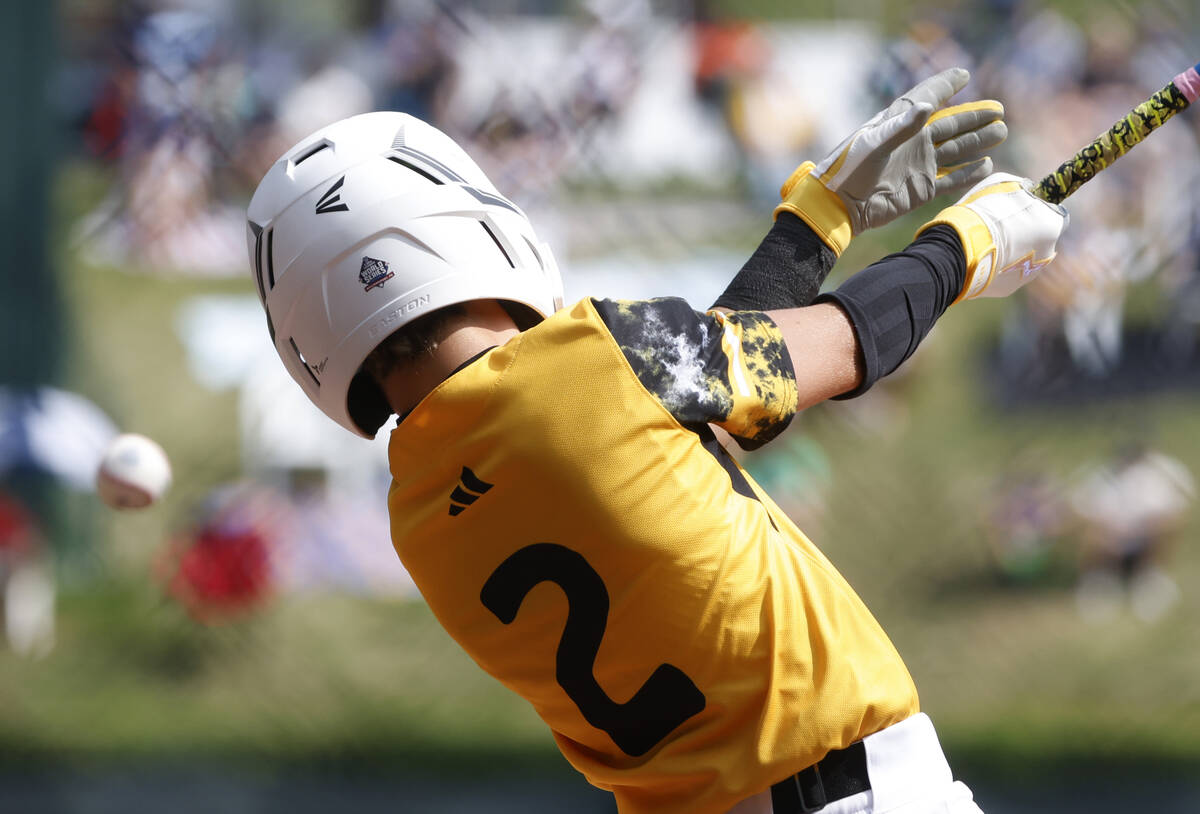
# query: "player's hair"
[[417, 338]]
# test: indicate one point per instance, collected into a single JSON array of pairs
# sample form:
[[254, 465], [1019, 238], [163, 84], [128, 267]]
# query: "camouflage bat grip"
[[1120, 138]]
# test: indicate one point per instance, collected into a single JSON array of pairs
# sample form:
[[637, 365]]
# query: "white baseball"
[[133, 473]]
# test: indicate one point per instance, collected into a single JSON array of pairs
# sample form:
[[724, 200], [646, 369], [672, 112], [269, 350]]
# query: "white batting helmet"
[[368, 224]]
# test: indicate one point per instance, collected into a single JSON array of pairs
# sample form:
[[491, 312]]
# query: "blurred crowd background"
[[1017, 505]]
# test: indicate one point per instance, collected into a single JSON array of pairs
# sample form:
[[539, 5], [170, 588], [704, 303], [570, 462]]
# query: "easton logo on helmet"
[[374, 273], [331, 201]]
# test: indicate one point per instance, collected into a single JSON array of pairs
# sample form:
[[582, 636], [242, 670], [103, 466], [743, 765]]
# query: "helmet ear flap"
[[366, 404]]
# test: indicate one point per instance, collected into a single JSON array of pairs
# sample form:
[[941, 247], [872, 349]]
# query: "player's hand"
[[902, 158], [1008, 234]]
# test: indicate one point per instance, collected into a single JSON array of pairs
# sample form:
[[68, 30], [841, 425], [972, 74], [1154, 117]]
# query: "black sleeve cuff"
[[785, 271], [893, 304]]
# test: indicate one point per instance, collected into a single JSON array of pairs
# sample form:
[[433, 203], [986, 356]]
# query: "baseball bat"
[[1120, 138]]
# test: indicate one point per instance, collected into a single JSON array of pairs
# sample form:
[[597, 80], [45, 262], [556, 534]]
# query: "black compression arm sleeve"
[[785, 271], [893, 303]]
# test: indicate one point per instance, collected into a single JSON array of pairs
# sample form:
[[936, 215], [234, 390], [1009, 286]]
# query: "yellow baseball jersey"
[[567, 513]]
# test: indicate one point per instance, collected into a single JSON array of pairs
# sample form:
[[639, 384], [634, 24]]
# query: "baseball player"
[[560, 496]]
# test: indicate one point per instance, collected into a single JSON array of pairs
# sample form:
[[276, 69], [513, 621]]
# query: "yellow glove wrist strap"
[[815, 204], [977, 245]]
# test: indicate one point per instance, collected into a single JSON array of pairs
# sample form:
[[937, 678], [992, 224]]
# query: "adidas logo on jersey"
[[470, 488]]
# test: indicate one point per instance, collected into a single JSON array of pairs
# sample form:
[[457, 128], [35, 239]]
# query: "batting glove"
[[902, 158], [1007, 233]]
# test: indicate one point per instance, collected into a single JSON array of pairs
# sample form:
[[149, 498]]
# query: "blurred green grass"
[[314, 680], [1014, 679]]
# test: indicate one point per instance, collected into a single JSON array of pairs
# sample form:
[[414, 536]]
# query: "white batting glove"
[[1008, 234], [902, 158]]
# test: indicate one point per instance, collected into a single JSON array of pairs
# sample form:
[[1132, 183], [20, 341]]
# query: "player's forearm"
[[824, 351], [893, 303], [785, 271]]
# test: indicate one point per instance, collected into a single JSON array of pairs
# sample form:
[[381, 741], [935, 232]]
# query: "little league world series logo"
[[374, 273]]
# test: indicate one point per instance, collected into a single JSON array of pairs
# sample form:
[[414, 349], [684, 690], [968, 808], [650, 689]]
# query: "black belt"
[[839, 774]]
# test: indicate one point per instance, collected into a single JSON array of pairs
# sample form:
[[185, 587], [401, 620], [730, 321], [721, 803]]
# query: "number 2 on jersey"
[[666, 700]]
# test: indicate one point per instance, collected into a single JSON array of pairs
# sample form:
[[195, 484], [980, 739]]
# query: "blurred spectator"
[[330, 92], [48, 438], [1036, 50], [607, 67], [52, 431], [535, 120], [1031, 344], [928, 46], [1130, 224], [175, 106], [1093, 323], [26, 581], [728, 55], [107, 121], [726, 52], [731, 58], [1132, 508], [420, 67], [1181, 290], [1025, 523], [250, 542], [221, 569], [337, 539]]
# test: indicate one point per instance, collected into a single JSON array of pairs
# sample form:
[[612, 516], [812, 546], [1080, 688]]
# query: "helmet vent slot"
[[270, 260], [536, 254], [269, 236], [430, 162], [499, 245], [415, 169], [258, 272], [310, 153], [258, 264], [300, 357]]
